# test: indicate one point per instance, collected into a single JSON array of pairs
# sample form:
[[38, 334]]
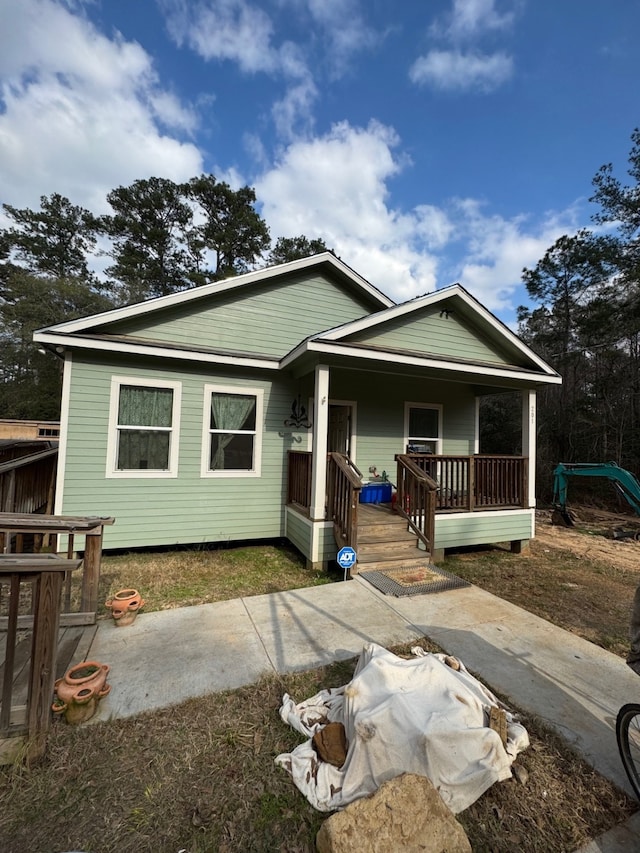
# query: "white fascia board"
[[430, 299], [69, 342], [142, 308], [474, 370], [388, 314]]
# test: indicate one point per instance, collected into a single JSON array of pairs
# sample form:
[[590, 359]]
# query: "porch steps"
[[384, 533], [386, 565], [384, 542], [377, 551]]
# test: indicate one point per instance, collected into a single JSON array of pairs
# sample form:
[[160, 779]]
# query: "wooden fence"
[[27, 484]]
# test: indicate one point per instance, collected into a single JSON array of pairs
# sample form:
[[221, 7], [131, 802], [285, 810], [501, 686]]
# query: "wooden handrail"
[[348, 467], [46, 573], [416, 470], [416, 499], [40, 526], [344, 482]]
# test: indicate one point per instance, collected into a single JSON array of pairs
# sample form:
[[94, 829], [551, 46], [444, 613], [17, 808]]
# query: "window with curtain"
[[423, 429], [144, 428], [232, 440]]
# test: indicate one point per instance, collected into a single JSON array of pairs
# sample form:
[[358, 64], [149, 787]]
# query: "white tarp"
[[402, 716]]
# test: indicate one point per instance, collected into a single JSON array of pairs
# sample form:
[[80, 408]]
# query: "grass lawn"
[[200, 776], [186, 577]]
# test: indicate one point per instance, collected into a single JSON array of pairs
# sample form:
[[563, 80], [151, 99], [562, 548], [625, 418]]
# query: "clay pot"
[[124, 606], [78, 693]]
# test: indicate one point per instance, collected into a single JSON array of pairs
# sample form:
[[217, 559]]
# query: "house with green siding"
[[293, 402]]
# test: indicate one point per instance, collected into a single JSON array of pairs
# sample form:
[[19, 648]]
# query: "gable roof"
[[501, 354], [522, 364], [325, 260], [462, 303]]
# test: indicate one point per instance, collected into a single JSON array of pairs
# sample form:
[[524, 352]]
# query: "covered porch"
[[397, 397], [424, 491]]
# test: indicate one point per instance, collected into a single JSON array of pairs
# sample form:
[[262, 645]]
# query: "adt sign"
[[346, 558]]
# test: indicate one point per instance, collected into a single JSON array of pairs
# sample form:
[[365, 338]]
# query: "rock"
[[405, 814], [520, 773], [331, 744]]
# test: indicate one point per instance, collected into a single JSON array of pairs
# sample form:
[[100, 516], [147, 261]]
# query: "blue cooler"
[[376, 493]]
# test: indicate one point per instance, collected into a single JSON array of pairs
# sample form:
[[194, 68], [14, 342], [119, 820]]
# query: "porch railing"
[[469, 483], [416, 499], [344, 482], [44, 574], [464, 483], [299, 478], [37, 535]]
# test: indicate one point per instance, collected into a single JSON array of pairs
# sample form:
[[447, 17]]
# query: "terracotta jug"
[[80, 690], [124, 606]]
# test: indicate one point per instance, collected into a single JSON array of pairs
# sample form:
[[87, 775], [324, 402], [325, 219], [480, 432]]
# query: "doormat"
[[413, 580]]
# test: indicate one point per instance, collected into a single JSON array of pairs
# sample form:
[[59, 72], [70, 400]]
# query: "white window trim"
[[435, 407], [112, 440], [258, 393]]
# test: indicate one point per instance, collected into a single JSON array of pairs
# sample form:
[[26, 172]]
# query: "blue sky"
[[426, 141]]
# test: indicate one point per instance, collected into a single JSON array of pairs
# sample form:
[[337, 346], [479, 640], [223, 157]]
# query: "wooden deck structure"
[[37, 640], [426, 485]]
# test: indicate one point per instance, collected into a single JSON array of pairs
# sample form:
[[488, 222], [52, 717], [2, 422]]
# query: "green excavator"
[[624, 482]]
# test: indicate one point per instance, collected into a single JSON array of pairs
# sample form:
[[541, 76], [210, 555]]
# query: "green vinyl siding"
[[188, 508], [455, 531], [299, 531], [266, 319], [431, 333], [380, 415], [327, 548]]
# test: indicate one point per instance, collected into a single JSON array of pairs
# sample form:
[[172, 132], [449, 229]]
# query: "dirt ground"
[[592, 537], [578, 578]]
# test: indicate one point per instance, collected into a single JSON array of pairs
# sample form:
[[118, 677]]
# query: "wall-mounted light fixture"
[[445, 313], [298, 419]]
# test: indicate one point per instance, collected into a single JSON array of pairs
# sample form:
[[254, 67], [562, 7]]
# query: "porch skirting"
[[314, 539]]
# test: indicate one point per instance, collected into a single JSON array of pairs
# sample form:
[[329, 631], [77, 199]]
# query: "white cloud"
[[335, 187], [345, 29], [242, 32], [81, 113], [497, 249], [292, 114], [464, 63], [469, 18], [454, 70], [224, 29]]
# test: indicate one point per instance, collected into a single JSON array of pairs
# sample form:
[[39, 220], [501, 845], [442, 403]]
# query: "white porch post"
[[320, 427], [529, 441]]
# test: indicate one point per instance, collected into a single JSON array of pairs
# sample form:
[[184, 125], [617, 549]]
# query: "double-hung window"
[[144, 427], [423, 428], [232, 431]]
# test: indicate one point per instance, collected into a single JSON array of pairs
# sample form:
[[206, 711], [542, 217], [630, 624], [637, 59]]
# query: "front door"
[[339, 437]]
